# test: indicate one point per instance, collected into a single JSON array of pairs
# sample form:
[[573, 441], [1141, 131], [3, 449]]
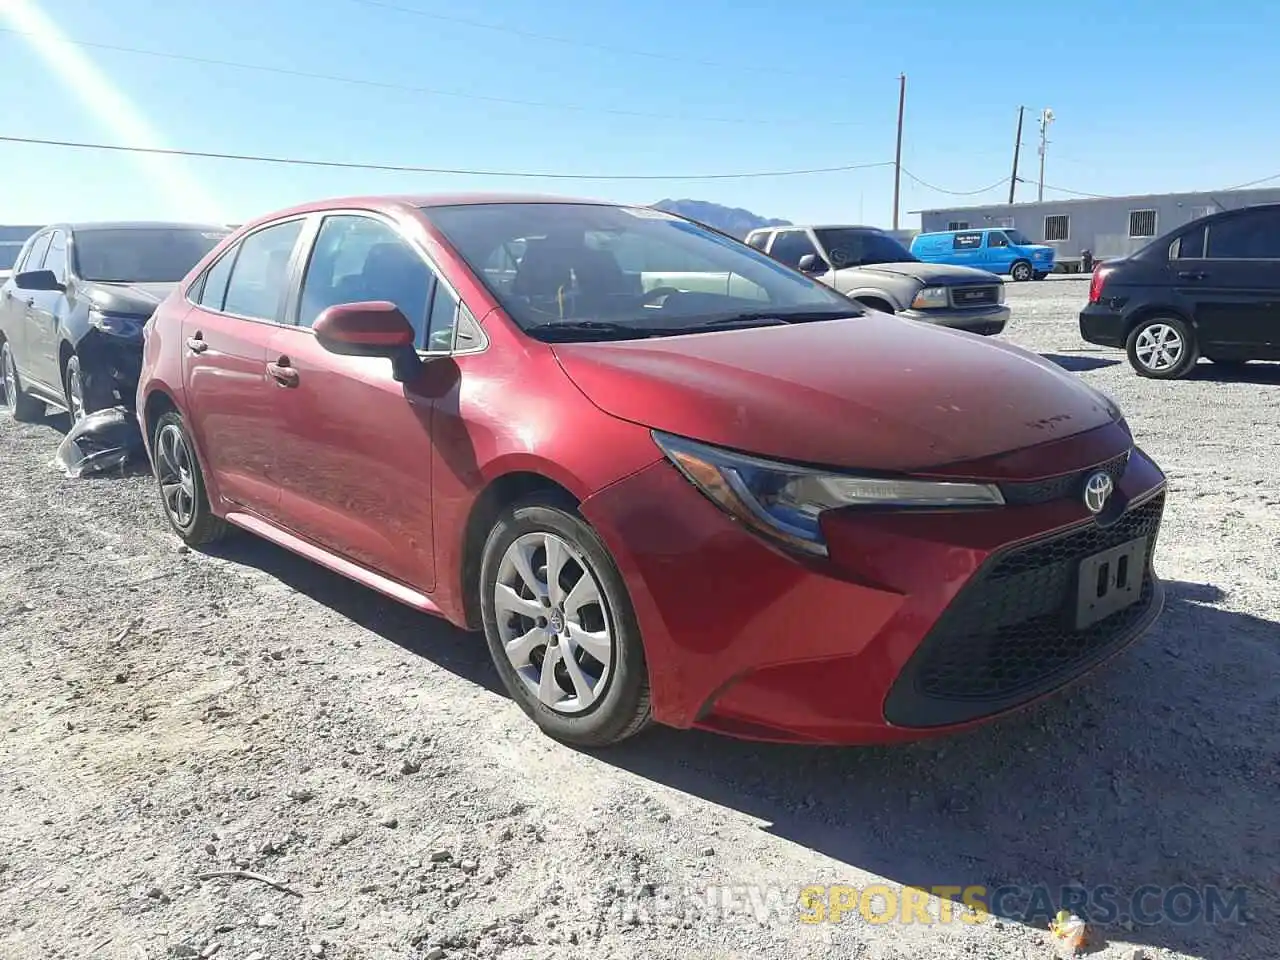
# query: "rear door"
[[966, 249], [1228, 270], [230, 400], [354, 446]]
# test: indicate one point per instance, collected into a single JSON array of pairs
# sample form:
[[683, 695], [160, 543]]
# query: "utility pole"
[[1017, 148], [1046, 118], [897, 163]]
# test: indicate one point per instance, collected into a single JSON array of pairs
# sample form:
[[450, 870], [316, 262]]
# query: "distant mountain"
[[732, 220]]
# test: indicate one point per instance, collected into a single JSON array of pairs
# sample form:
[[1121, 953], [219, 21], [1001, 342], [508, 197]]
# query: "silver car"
[[871, 266]]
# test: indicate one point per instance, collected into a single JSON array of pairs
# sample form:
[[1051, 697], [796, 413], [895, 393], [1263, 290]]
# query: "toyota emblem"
[[1097, 491]]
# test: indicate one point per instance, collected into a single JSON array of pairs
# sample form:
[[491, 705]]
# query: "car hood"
[[135, 299], [931, 274], [873, 392]]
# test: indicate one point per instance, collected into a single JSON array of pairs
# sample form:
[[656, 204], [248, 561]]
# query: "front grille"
[[1010, 634], [975, 296], [1067, 485]]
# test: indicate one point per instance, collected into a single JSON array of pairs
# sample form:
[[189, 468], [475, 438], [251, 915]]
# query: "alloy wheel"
[[554, 622], [174, 470], [1159, 347], [8, 378], [75, 395]]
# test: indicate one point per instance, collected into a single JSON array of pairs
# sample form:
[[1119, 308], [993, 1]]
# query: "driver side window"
[[790, 246], [997, 240]]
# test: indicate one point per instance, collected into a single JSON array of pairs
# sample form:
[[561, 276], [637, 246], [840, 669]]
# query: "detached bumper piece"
[[1011, 635]]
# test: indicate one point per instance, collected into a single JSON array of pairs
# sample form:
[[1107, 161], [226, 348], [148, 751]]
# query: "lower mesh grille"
[[1010, 633]]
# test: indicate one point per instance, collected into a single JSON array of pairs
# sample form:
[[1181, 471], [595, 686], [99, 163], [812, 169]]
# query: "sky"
[[1147, 97]]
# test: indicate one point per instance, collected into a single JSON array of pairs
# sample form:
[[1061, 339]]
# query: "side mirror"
[[373, 329], [45, 280], [812, 263]]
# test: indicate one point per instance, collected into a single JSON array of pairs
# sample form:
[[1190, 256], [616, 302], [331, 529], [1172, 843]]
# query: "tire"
[[23, 407], [529, 534], [1162, 348], [181, 482], [83, 391], [1021, 271]]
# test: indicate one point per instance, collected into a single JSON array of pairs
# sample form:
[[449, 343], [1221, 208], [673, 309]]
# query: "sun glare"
[[111, 108]]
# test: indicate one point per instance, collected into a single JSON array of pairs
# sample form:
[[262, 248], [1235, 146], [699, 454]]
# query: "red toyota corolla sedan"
[[668, 477]]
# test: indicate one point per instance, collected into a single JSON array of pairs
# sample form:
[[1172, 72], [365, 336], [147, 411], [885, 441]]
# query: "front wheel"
[[83, 391], [560, 625], [1021, 271], [1162, 348], [182, 488]]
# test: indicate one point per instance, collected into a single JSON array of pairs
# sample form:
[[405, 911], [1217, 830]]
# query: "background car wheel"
[[1163, 348], [1040, 274], [560, 625], [182, 489], [23, 408], [875, 303], [1021, 271]]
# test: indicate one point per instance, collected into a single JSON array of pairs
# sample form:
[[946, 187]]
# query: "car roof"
[[389, 202], [138, 225], [819, 226]]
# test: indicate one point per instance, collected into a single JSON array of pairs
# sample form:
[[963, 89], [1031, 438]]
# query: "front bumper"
[[918, 624], [987, 321], [1101, 324]]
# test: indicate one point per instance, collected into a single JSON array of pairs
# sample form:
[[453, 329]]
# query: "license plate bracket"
[[1110, 581]]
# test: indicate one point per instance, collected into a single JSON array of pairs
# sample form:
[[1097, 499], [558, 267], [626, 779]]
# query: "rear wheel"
[[20, 406], [1021, 271], [1162, 348], [560, 626], [181, 482]]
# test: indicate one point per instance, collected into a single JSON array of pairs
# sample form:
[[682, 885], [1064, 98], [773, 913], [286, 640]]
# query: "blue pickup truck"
[[1001, 250]]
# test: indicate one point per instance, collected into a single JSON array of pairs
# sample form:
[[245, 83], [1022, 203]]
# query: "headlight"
[[115, 324], [930, 298], [784, 502]]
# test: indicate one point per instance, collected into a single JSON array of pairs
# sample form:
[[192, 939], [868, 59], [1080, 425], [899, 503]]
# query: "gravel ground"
[[167, 714]]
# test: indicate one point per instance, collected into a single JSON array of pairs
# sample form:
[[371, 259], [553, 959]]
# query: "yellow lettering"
[[915, 906], [946, 901], [975, 898], [811, 900], [842, 900], [890, 904]]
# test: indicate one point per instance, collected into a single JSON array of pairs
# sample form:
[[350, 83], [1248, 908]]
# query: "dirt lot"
[[166, 714]]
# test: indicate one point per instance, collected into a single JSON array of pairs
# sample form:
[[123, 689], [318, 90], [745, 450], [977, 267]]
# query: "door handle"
[[282, 373], [1192, 275], [196, 344]]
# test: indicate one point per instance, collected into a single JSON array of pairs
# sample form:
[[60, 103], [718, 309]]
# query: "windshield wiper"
[[590, 329]]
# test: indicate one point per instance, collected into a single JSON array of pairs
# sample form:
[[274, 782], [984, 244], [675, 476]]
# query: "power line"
[[956, 193], [456, 171], [431, 91], [568, 41], [1253, 183]]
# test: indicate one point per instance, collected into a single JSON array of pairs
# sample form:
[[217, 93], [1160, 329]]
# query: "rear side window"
[[261, 272], [215, 281], [966, 241], [1251, 236], [35, 259]]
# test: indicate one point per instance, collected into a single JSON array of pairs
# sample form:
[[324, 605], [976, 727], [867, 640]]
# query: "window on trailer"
[[1142, 224], [1057, 227], [957, 224]]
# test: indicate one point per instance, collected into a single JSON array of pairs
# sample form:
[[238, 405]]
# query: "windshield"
[[585, 271], [141, 255], [1018, 238], [848, 247]]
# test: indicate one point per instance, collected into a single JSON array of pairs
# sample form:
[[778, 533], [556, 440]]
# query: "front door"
[[353, 445], [1234, 288], [999, 255], [231, 400]]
